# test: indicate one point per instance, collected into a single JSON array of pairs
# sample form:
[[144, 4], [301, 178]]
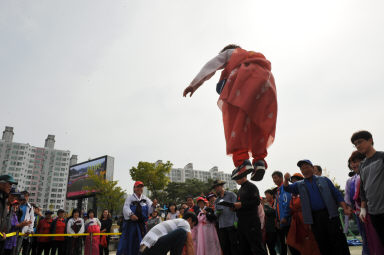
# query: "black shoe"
[[242, 170], [259, 171]]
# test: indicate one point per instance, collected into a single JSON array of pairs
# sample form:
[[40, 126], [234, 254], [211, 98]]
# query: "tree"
[[153, 175], [177, 191], [333, 179], [108, 194]]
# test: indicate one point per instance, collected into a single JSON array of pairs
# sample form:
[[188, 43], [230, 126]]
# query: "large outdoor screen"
[[78, 178]]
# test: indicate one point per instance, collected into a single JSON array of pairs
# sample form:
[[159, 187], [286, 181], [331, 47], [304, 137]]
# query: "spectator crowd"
[[22, 218], [305, 213]]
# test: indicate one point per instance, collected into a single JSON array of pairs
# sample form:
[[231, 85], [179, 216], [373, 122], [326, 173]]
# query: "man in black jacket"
[[6, 182], [249, 226]]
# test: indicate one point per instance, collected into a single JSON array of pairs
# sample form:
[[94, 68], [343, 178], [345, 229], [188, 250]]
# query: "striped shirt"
[[163, 229]]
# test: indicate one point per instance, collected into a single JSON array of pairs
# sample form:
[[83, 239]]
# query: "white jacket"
[[29, 215], [127, 212], [72, 221]]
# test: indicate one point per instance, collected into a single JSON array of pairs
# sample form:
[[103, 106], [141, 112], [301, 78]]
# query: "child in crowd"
[[153, 220], [173, 213], [248, 103]]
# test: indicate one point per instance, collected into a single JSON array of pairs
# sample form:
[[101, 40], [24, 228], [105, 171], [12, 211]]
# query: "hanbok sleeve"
[[347, 198], [127, 212], [211, 67], [69, 227], [149, 204], [357, 189], [82, 229]]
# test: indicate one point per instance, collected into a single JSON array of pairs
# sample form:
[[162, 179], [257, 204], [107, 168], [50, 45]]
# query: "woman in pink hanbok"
[[206, 241], [92, 225]]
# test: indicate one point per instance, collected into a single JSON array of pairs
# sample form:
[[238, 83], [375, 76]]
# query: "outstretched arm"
[[208, 71], [189, 244], [291, 188]]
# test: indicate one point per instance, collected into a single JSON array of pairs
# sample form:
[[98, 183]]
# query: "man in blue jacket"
[[283, 213], [319, 201]]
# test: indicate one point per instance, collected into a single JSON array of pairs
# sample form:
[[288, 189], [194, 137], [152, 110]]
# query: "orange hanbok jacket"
[[300, 235]]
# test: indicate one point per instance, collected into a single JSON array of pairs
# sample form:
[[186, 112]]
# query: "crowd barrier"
[[83, 234]]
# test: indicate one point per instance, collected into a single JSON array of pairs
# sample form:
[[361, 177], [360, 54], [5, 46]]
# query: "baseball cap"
[[15, 192], [304, 161], [25, 193], [298, 176], [8, 178], [138, 183], [15, 202], [200, 199], [48, 212], [218, 183], [211, 195]]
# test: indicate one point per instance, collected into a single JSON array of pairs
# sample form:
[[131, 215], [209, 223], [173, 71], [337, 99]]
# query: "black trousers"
[[104, 250], [250, 237], [2, 243], [228, 240], [329, 234], [7, 252], [271, 238], [172, 242], [378, 224], [46, 247], [74, 245], [34, 246], [23, 244], [58, 246], [282, 235]]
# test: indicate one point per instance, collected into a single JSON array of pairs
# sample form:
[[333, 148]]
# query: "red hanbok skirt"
[[249, 106], [95, 241]]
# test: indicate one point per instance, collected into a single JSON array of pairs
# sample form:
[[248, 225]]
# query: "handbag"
[[103, 241]]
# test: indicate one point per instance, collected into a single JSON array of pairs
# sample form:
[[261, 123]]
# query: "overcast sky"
[[106, 77]]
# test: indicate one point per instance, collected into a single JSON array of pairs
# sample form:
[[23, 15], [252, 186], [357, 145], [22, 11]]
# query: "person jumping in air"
[[249, 105]]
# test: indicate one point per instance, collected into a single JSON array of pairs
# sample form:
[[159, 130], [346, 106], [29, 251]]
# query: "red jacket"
[[44, 227], [58, 227]]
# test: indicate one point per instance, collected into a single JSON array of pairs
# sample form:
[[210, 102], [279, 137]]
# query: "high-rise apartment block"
[[182, 174], [42, 171]]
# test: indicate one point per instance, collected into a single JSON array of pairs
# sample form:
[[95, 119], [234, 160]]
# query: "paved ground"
[[355, 250]]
